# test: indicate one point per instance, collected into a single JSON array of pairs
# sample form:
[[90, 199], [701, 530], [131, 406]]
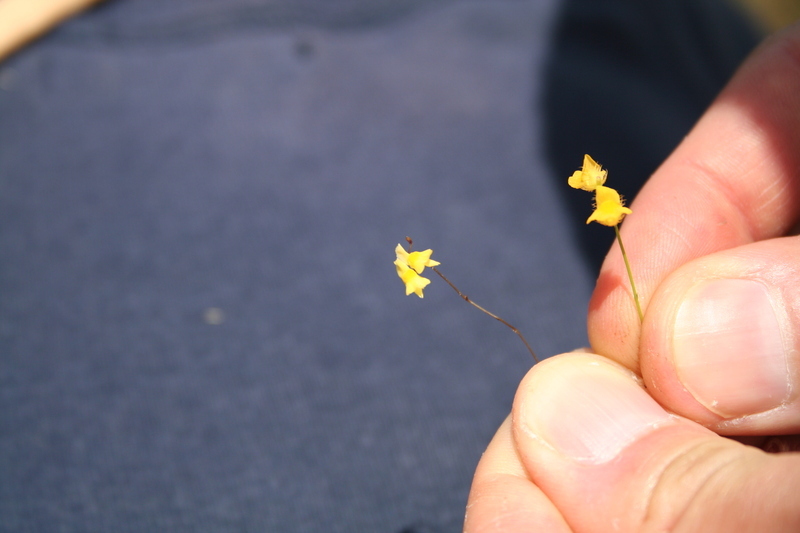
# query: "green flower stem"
[[478, 307], [630, 274]]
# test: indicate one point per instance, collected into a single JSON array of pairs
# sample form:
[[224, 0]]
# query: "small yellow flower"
[[410, 266], [590, 177], [416, 260], [609, 209], [414, 282]]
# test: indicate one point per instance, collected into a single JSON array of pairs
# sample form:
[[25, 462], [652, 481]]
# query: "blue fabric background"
[[201, 328]]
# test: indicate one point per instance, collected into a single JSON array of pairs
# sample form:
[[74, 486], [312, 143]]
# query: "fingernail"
[[728, 348], [590, 412]]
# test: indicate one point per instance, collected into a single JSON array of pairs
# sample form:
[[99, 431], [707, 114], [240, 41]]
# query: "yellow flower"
[[416, 260], [410, 266], [609, 210], [590, 177], [414, 282]]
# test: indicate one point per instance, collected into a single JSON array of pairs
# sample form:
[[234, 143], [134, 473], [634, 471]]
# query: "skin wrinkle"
[[774, 193], [716, 185], [783, 88], [682, 226], [773, 201], [655, 252], [672, 231], [680, 234], [715, 479], [687, 463]]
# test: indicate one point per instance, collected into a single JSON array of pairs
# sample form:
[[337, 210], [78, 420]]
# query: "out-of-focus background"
[[201, 328], [24, 20]]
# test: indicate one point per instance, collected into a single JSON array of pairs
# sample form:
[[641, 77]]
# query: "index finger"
[[732, 181]]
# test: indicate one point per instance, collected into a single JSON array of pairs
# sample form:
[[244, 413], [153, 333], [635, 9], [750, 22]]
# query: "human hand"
[[588, 447]]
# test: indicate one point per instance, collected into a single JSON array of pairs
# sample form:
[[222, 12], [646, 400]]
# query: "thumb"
[[721, 340], [610, 458]]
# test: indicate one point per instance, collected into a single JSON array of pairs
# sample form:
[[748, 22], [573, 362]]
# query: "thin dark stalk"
[[473, 304]]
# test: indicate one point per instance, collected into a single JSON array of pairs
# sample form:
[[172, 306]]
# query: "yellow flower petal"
[[401, 267], [419, 260], [401, 253], [609, 211], [607, 194], [590, 177], [414, 282]]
